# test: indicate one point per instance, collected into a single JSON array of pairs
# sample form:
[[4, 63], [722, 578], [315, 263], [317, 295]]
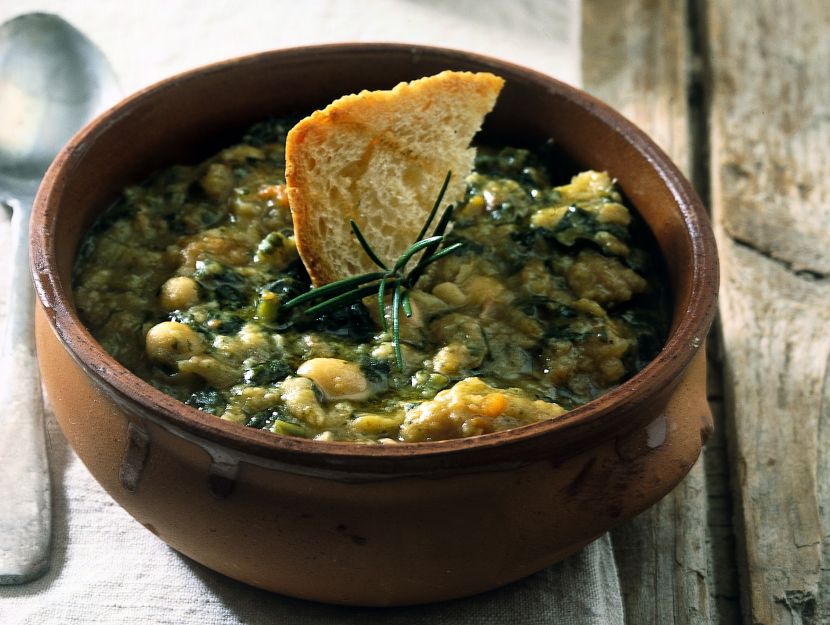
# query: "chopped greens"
[[536, 293]]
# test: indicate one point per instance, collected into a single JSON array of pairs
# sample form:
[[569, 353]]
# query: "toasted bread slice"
[[380, 157]]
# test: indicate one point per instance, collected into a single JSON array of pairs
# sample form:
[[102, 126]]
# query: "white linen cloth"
[[106, 568]]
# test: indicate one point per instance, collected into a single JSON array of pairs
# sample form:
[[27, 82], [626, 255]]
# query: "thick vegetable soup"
[[553, 299]]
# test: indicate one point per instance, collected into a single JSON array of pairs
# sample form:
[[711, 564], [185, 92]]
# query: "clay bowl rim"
[[609, 414]]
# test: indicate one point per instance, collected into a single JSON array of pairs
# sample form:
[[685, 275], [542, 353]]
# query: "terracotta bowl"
[[348, 523]]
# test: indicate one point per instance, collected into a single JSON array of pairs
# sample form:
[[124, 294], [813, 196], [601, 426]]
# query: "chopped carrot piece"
[[493, 405], [275, 192]]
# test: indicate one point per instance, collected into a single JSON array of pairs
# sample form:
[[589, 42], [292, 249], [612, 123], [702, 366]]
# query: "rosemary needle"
[[348, 291]]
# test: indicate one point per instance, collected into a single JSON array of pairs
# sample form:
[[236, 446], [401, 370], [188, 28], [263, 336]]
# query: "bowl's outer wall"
[[329, 523], [341, 539]]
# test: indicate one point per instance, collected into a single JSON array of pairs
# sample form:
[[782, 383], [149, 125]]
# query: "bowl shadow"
[[585, 584]]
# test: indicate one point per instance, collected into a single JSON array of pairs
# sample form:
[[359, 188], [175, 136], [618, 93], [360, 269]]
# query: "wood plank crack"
[[823, 494], [722, 582], [794, 269]]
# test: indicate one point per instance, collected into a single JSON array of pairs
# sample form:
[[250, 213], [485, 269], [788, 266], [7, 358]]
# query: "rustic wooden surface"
[[738, 93], [770, 173]]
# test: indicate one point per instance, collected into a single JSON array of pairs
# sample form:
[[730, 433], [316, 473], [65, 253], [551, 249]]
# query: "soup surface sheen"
[[554, 298]]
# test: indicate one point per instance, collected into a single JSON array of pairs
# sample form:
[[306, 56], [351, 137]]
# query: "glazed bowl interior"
[[184, 119]]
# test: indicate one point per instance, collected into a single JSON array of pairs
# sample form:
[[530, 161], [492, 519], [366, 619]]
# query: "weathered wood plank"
[[723, 573], [636, 58], [770, 140]]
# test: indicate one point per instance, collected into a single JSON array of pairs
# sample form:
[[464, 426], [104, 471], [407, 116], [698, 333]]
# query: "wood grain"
[[636, 57], [723, 571], [770, 158]]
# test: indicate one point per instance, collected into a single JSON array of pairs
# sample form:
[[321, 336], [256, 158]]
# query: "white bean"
[[337, 379], [178, 293], [171, 341]]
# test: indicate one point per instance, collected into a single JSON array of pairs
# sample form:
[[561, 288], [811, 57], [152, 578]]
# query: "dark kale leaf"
[[376, 371], [575, 224], [566, 333], [650, 328], [279, 420], [286, 286], [563, 396], [260, 420], [265, 373], [353, 322], [225, 323], [223, 283], [208, 400], [272, 130], [514, 163]]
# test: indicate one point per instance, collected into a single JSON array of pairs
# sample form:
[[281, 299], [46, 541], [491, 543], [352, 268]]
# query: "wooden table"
[[738, 93]]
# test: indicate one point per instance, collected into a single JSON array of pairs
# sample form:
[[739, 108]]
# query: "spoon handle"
[[25, 515]]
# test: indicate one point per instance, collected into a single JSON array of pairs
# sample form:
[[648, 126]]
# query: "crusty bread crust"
[[380, 157]]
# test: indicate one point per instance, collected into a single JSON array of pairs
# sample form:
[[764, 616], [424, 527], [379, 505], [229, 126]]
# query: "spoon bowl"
[[52, 81]]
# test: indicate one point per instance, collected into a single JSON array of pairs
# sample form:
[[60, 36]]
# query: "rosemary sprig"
[[396, 326], [365, 245], [353, 289]]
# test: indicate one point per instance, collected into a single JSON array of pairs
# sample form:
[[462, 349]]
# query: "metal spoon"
[[52, 81]]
